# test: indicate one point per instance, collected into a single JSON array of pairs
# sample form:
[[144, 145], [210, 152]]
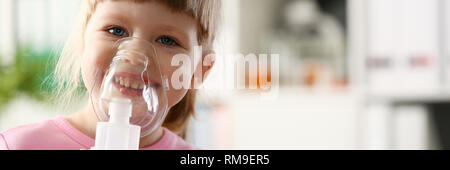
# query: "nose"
[[135, 50], [132, 57]]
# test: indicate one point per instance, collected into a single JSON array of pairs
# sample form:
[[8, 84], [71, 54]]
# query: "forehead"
[[147, 14], [144, 9]]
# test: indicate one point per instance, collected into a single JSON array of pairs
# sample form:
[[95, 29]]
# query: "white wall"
[[298, 119]]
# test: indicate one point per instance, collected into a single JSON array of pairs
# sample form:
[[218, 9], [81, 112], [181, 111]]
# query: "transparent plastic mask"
[[134, 74]]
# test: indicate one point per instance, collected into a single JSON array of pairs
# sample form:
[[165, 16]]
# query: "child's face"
[[171, 33]]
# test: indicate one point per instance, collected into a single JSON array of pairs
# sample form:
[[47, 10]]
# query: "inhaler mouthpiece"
[[118, 133], [120, 111]]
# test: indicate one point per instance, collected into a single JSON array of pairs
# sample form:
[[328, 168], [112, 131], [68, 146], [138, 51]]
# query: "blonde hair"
[[67, 75]]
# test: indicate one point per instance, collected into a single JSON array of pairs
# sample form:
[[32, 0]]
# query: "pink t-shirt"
[[59, 134]]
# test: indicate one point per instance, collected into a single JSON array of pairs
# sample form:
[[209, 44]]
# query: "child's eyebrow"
[[112, 17]]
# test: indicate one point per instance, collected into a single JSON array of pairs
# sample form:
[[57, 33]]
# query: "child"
[[173, 26]]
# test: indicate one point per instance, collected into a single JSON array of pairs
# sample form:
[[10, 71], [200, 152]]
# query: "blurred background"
[[353, 74]]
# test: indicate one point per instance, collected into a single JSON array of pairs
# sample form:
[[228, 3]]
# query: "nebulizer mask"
[[130, 99]]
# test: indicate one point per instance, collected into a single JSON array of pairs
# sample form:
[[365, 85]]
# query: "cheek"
[[174, 96], [96, 58]]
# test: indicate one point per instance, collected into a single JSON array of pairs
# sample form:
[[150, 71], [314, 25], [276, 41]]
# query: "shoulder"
[[179, 143], [28, 136]]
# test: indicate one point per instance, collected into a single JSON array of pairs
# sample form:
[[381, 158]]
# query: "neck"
[[86, 122]]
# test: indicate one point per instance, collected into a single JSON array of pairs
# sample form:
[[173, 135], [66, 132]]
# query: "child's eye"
[[117, 31], [167, 41]]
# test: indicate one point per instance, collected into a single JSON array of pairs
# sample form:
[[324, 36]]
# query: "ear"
[[209, 58], [203, 68]]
